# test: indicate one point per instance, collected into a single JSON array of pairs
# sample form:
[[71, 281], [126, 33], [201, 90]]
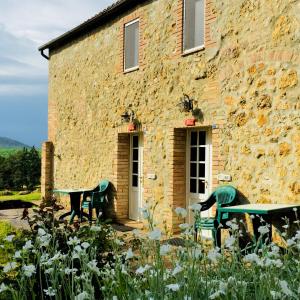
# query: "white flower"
[[173, 287], [41, 232], [276, 295], [229, 242], [49, 271], [232, 225], [142, 270], [197, 253], [216, 295], [29, 270], [69, 271], [136, 233], [155, 234], [195, 207], [284, 288], [119, 242], [44, 240], [9, 238], [177, 270], [295, 209], [95, 228], [290, 242], [129, 254], [145, 213], [82, 296], [214, 255], [78, 249], [73, 241], [263, 229], [50, 292], [28, 245], [3, 288], [85, 245], [252, 257], [277, 263], [58, 256], [17, 254], [184, 226], [164, 249], [92, 265], [285, 226], [181, 212], [297, 235], [9, 267]]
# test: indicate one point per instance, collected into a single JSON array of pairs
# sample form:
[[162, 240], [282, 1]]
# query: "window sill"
[[193, 50], [131, 70]]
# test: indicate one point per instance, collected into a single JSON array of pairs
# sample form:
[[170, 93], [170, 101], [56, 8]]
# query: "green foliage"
[[20, 169], [56, 261], [6, 249], [55, 257]]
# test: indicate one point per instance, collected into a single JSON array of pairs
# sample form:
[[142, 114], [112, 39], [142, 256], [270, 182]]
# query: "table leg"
[[75, 206]]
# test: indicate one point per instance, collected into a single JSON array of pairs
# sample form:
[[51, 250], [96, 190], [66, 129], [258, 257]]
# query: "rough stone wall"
[[246, 83], [259, 71]]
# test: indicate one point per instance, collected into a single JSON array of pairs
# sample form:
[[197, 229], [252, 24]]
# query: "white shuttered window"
[[193, 35], [131, 45]]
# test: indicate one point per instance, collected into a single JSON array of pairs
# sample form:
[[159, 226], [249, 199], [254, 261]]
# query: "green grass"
[[5, 152], [5, 229], [30, 197]]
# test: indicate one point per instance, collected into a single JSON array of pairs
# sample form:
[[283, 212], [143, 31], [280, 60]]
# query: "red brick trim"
[[121, 175], [137, 14]]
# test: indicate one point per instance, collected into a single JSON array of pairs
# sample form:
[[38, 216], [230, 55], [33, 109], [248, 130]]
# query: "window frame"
[[197, 48], [124, 50]]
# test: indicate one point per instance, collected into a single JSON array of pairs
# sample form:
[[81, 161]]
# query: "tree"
[[21, 169]]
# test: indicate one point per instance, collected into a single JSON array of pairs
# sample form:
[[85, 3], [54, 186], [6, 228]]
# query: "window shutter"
[[131, 55], [193, 24]]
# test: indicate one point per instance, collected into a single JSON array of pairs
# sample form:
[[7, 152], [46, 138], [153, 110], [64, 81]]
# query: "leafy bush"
[[54, 258], [59, 262], [20, 169]]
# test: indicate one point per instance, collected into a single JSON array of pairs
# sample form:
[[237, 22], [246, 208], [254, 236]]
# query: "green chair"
[[223, 196], [95, 199]]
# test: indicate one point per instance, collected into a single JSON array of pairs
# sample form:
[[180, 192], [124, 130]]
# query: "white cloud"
[[26, 25]]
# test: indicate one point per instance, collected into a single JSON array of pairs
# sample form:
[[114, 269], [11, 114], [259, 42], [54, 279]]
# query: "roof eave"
[[107, 14]]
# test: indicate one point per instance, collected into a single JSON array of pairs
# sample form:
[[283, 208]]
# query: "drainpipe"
[[43, 54]]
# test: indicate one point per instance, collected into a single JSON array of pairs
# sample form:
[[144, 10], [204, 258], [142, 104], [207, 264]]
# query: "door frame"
[[208, 168], [140, 175]]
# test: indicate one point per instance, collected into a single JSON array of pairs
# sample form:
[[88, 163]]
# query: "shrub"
[[59, 262]]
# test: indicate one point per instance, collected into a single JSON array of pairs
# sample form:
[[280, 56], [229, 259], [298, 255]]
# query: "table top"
[[260, 208], [70, 191]]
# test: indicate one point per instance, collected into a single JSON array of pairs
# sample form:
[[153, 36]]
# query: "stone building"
[[211, 92]]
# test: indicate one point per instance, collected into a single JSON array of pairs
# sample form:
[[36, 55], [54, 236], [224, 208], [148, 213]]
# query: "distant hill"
[[9, 143]]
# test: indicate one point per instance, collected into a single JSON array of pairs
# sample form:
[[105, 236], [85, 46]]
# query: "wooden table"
[[75, 195], [261, 211]]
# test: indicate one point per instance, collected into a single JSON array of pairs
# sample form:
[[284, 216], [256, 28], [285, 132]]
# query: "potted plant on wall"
[[186, 104], [129, 117]]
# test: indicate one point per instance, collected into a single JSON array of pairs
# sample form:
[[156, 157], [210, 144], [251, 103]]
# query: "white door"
[[136, 177], [199, 157]]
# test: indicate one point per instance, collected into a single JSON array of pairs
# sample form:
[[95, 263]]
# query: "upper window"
[[131, 46], [193, 27]]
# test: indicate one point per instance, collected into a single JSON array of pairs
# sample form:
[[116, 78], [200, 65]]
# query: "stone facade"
[[245, 81]]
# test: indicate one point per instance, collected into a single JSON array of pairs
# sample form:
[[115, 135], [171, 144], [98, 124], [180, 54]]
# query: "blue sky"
[[24, 26]]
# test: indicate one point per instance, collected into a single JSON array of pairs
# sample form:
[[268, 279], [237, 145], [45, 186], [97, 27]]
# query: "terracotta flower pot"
[[131, 127], [190, 122]]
